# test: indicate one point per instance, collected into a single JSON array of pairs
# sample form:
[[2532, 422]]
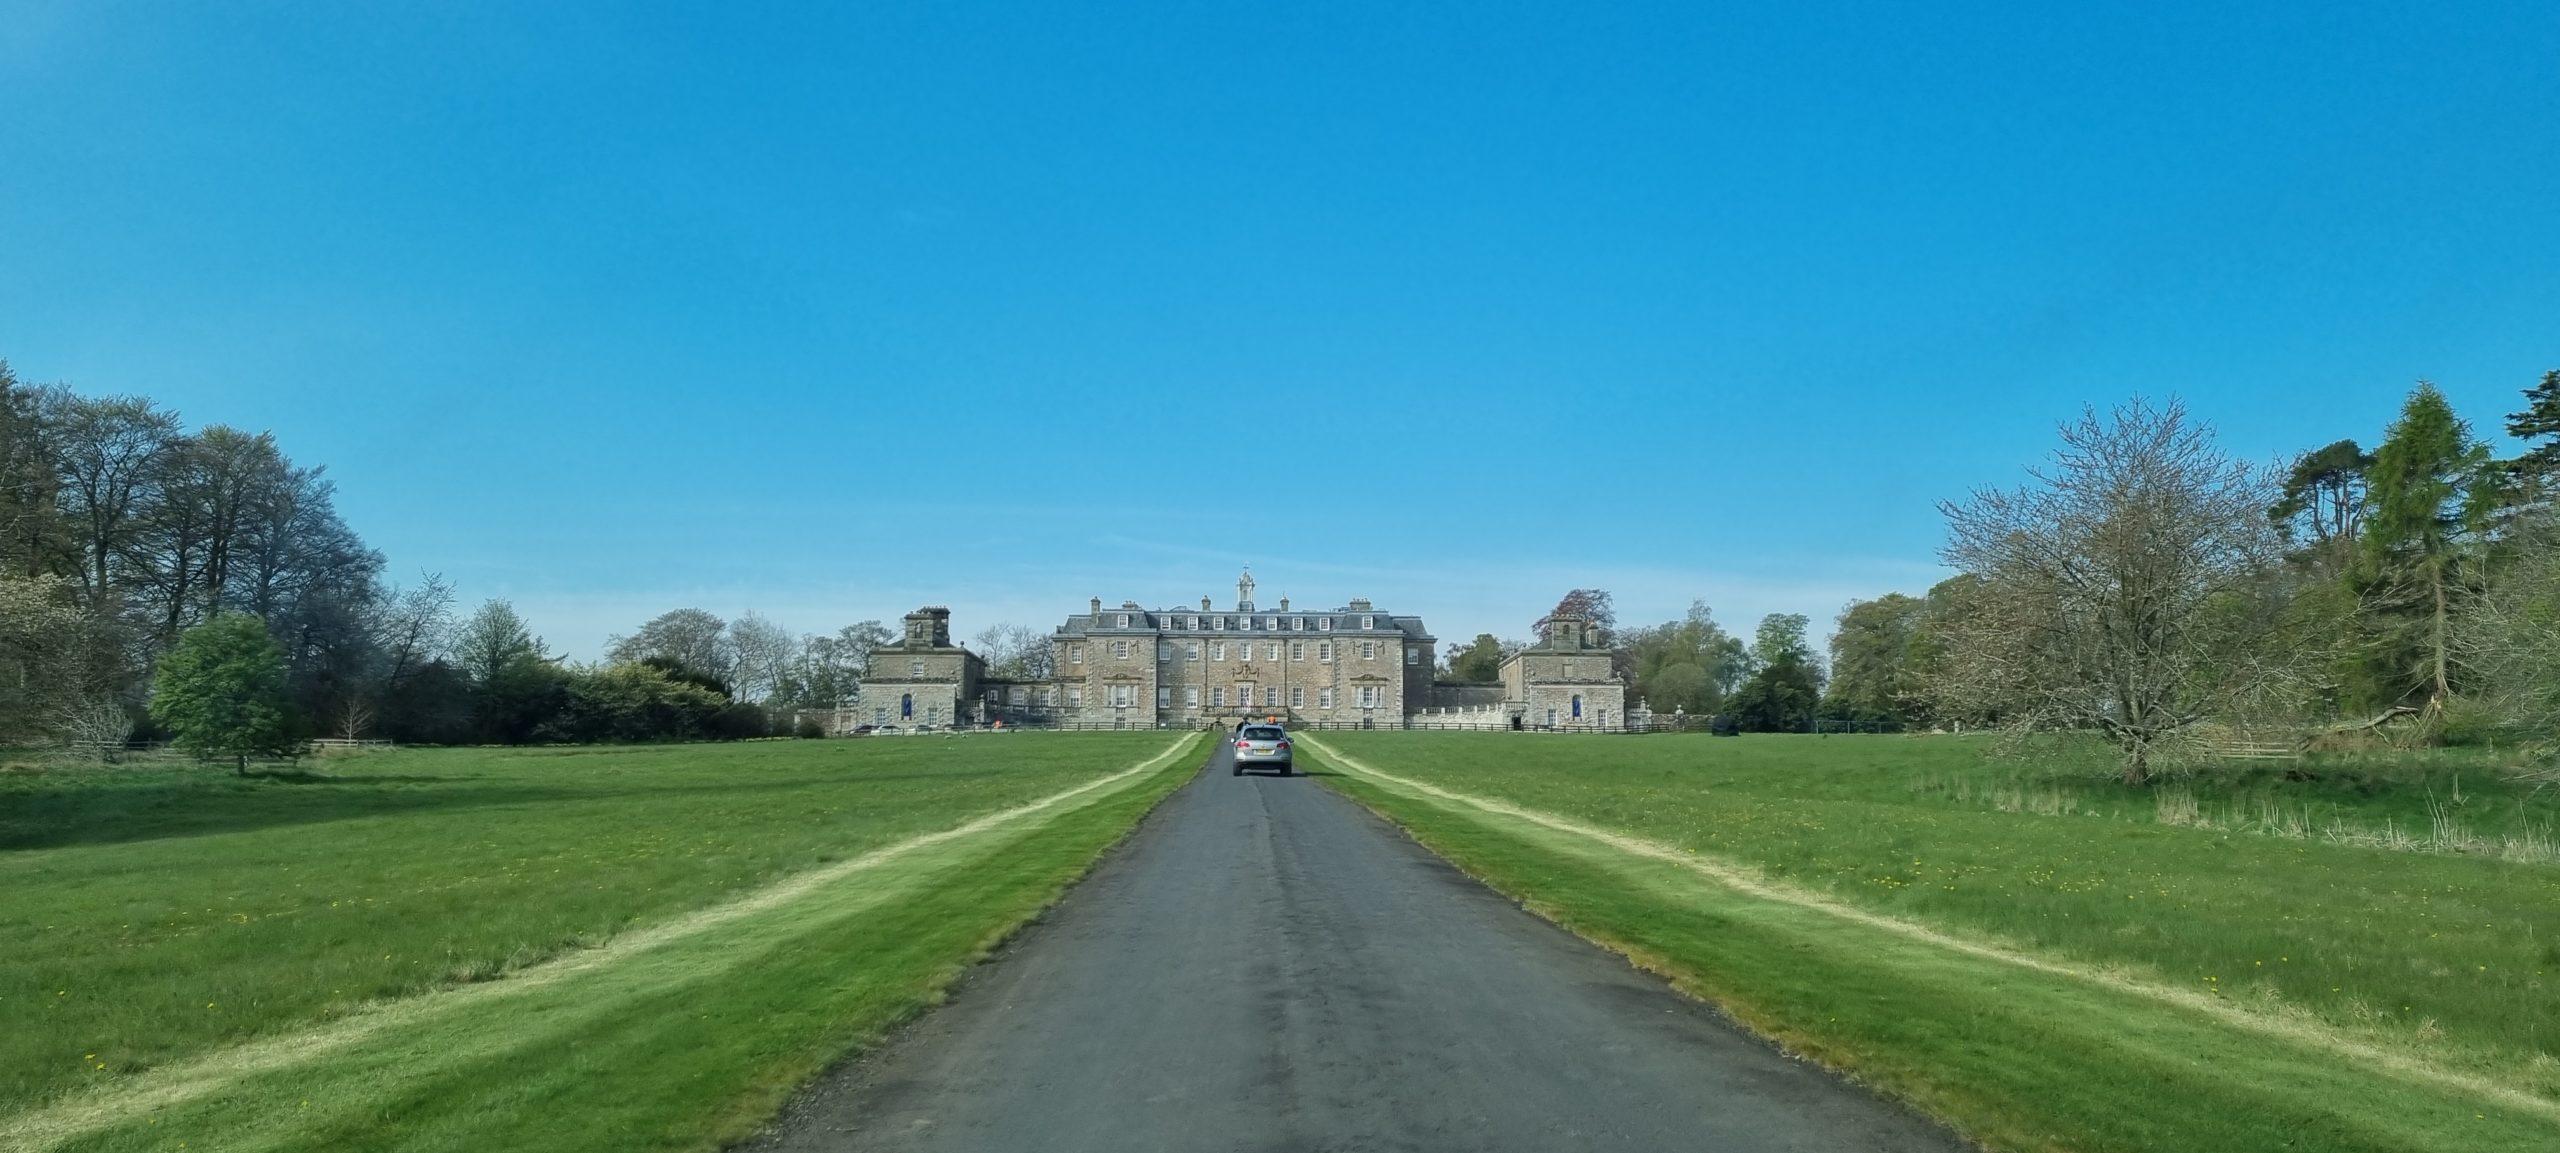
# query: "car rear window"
[[1263, 733]]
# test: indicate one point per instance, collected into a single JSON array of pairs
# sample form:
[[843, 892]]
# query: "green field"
[[475, 949], [2044, 958]]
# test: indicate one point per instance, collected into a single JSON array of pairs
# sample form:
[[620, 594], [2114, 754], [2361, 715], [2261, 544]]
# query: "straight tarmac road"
[[1267, 966]]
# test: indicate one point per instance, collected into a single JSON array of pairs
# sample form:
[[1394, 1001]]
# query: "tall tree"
[[2324, 502], [493, 639], [1017, 652], [690, 637], [1689, 665], [221, 691], [2096, 584], [1785, 683], [762, 652], [1478, 661], [2538, 425], [1871, 660], [32, 537], [2429, 498], [49, 651], [1593, 605], [107, 452]]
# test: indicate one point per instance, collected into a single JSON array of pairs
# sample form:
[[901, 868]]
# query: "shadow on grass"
[[108, 810]]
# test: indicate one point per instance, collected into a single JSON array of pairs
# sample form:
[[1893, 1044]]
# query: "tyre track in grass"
[[195, 1078], [1746, 881]]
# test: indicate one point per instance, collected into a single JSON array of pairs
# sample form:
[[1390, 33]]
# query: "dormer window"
[[1124, 620], [1368, 622], [1324, 624]]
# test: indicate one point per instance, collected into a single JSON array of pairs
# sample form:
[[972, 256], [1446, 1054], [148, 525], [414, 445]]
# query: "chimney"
[[1097, 611], [1284, 604]]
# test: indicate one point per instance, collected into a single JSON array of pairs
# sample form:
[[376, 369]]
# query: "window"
[[1297, 696], [915, 670], [1218, 651], [1164, 698], [1413, 656], [1368, 696], [1124, 620], [1365, 622], [1075, 654], [1075, 697], [1191, 652], [1271, 652], [880, 716], [1244, 696], [1120, 650], [1189, 622], [1191, 694], [1324, 650], [1324, 698], [1041, 698], [1164, 650], [1551, 718], [1271, 697], [1272, 623], [1219, 623], [1297, 624], [1368, 650], [1297, 650], [1324, 624], [1218, 697], [1121, 696]]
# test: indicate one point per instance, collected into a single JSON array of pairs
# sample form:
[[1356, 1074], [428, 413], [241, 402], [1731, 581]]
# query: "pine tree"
[[2424, 487]]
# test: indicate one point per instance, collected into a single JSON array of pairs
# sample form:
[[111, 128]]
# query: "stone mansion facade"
[[1133, 667]]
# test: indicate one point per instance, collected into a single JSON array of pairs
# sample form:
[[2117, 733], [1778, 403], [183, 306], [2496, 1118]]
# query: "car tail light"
[[1240, 744], [1284, 744]]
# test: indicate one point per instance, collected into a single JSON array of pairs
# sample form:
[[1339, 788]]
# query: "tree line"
[[2141, 582], [158, 581], [1773, 682]]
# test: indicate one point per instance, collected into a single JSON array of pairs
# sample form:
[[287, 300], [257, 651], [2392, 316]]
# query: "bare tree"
[[2116, 590], [692, 638], [108, 451], [355, 715], [763, 652], [98, 724], [1017, 653]]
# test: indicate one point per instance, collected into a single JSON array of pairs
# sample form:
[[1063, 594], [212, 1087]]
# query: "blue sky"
[[829, 313]]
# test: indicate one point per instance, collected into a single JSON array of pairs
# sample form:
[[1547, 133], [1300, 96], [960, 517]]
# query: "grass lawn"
[[473, 949], [2207, 982]]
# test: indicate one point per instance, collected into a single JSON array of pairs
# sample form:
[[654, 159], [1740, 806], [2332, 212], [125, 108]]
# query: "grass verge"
[[2017, 1039], [687, 1027]]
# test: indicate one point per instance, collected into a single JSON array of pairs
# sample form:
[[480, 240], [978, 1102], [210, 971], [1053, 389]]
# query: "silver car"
[[1262, 745]]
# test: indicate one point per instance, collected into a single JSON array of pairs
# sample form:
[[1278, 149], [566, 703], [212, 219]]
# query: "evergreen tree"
[[2539, 426], [2430, 503]]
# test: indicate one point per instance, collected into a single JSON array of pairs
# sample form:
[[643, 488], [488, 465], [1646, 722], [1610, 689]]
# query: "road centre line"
[[1744, 881], [195, 1077]]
